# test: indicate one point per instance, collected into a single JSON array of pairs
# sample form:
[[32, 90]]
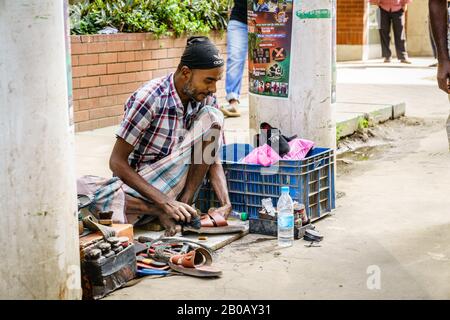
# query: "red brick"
[[96, 69], [150, 65], [114, 111], [175, 52], [159, 54], [116, 68], [107, 57], [125, 56], [79, 48], [115, 46], [80, 94], [143, 55], [81, 116], [150, 44], [87, 104], [97, 113], [133, 45], [87, 125], [107, 101], [75, 39], [160, 73], [75, 83], [97, 92], [88, 82], [127, 77], [180, 42], [79, 71], [122, 98], [109, 79], [86, 39], [167, 63], [74, 60], [133, 66], [76, 105], [96, 47], [144, 76], [117, 89], [107, 122], [165, 43]]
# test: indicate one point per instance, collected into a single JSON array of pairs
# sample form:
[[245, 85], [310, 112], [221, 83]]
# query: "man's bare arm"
[[439, 26], [118, 164]]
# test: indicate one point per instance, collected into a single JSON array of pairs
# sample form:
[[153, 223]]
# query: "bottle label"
[[286, 222]]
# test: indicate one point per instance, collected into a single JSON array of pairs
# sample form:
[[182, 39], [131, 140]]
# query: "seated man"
[[166, 144]]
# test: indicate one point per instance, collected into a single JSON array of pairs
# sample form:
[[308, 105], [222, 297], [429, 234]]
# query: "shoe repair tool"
[[94, 254], [91, 223]]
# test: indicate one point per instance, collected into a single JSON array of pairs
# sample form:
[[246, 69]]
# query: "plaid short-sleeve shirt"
[[154, 121]]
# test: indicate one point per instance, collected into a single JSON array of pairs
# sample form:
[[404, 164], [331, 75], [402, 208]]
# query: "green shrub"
[[161, 17]]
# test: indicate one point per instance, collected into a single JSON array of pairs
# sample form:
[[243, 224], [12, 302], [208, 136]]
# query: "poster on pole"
[[269, 50]]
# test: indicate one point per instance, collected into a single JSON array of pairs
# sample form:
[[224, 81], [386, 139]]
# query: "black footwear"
[[387, 60], [273, 137]]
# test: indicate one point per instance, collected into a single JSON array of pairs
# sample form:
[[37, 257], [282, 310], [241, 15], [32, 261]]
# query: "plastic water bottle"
[[285, 208]]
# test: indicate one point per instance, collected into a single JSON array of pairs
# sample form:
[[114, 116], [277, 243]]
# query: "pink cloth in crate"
[[266, 156]]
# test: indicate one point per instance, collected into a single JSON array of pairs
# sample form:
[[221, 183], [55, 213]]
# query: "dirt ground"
[[387, 239]]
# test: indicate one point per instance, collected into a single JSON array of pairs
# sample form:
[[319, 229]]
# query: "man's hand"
[[179, 211], [443, 75]]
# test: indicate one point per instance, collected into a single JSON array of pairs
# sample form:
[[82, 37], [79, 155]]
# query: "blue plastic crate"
[[311, 181]]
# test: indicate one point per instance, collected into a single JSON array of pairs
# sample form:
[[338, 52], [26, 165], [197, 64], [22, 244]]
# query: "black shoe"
[[387, 60]]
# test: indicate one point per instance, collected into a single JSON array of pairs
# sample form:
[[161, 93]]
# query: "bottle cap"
[[284, 189], [244, 216]]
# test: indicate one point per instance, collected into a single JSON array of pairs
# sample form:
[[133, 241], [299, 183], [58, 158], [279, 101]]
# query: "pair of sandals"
[[184, 256]]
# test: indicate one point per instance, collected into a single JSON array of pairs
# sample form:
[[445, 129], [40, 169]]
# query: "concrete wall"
[[418, 39], [106, 69]]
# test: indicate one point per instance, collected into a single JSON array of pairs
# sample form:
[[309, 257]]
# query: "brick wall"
[[106, 69], [351, 16]]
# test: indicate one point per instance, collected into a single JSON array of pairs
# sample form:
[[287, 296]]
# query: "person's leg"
[[385, 30], [200, 165], [398, 21], [237, 42]]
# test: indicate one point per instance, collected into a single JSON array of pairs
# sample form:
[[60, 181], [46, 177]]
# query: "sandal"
[[214, 223], [195, 263]]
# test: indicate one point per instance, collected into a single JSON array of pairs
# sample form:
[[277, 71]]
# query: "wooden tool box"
[[102, 276]]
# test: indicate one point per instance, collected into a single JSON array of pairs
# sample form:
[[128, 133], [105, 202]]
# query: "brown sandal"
[[195, 263]]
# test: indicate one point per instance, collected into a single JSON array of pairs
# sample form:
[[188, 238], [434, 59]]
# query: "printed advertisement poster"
[[269, 40]]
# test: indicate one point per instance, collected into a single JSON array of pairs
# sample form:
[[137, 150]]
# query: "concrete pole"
[[38, 230], [308, 110]]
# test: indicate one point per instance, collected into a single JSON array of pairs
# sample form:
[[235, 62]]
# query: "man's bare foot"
[[223, 211], [169, 224]]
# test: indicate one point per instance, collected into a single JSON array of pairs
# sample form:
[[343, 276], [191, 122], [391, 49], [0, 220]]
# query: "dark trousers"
[[398, 21]]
